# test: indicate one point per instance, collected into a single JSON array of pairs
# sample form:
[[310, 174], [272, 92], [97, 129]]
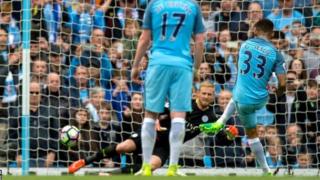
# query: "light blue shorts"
[[168, 83], [248, 114]]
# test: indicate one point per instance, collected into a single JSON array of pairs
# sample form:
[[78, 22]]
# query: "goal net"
[[82, 54]]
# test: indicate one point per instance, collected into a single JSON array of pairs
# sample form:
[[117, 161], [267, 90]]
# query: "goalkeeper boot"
[[211, 128], [173, 171], [75, 166], [144, 171]]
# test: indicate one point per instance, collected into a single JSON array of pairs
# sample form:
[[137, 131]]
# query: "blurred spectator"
[[52, 16], [271, 132], [11, 25], [305, 160], [57, 98], [274, 152], [228, 50], [254, 14], [293, 145], [228, 18], [283, 17], [295, 34], [39, 69], [298, 66], [96, 98], [120, 97], [130, 39], [208, 17], [138, 86], [44, 127], [79, 92], [312, 54], [84, 18], [312, 124], [288, 107], [117, 16], [281, 44], [317, 159], [57, 60], [3, 43], [116, 53]]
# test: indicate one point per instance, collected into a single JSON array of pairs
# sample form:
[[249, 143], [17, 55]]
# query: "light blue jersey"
[[172, 23], [258, 58]]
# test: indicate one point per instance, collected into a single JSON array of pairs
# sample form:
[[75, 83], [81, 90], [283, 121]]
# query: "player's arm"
[[199, 46], [281, 74], [142, 47], [281, 84], [199, 38]]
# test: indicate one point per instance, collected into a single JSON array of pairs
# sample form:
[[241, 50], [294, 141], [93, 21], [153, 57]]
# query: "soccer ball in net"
[[69, 135]]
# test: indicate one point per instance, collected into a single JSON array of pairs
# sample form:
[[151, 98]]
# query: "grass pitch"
[[122, 177]]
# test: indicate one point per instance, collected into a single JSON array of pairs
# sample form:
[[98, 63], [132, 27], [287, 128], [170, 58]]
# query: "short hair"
[[313, 83], [264, 25], [278, 35], [105, 106], [96, 90], [206, 84]]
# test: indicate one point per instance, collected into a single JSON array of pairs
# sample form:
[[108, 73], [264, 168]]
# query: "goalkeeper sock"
[[176, 137], [228, 112], [148, 138], [107, 152], [257, 149]]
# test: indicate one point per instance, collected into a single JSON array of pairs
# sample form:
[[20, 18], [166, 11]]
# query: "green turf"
[[153, 178]]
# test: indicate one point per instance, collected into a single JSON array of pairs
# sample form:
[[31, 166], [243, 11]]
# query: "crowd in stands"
[[81, 54]]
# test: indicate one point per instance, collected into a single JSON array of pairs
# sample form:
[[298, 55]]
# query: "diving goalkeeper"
[[202, 112]]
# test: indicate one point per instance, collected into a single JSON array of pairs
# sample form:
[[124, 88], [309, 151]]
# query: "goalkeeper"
[[202, 112]]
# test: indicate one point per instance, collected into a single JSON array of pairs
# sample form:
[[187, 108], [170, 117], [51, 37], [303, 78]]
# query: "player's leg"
[[107, 152], [228, 112], [220, 123], [247, 114], [180, 94], [155, 94]]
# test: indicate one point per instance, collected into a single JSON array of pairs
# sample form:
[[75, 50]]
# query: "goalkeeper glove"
[[232, 132]]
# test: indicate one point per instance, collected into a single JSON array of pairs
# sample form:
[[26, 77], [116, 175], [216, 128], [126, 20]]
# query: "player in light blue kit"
[[258, 59], [170, 26]]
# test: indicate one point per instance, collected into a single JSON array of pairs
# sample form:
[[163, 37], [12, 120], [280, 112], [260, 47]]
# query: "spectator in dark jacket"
[[43, 130]]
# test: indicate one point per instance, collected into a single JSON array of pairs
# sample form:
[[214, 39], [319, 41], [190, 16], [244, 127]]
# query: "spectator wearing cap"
[[6, 19]]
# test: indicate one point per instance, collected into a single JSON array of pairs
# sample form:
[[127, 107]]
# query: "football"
[[69, 135]]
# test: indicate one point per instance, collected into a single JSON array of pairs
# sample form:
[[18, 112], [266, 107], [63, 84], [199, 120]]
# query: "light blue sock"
[[148, 138], [257, 149], [176, 138]]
